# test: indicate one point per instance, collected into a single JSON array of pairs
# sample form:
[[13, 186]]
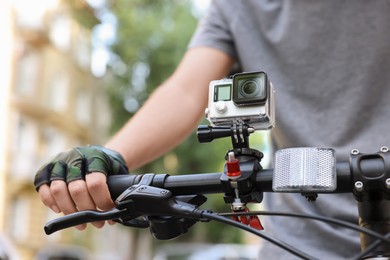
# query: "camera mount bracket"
[[239, 134], [238, 189]]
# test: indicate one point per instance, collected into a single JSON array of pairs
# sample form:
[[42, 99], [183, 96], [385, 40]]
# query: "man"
[[328, 61]]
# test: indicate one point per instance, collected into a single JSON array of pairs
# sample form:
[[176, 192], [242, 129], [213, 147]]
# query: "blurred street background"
[[72, 72]]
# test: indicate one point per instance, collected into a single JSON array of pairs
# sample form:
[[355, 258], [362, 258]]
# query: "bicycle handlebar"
[[154, 195], [189, 184], [208, 183]]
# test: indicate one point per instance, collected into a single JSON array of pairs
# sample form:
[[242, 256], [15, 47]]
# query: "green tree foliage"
[[151, 38]]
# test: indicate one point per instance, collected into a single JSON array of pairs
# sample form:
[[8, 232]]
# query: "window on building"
[[82, 48], [54, 142], [19, 219], [60, 31], [57, 94], [83, 105], [28, 72], [31, 14], [25, 145]]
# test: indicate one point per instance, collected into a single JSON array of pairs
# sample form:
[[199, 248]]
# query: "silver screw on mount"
[[355, 151], [387, 183], [359, 186]]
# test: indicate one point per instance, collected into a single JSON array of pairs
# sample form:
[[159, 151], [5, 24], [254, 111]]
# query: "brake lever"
[[124, 213], [138, 200], [83, 217]]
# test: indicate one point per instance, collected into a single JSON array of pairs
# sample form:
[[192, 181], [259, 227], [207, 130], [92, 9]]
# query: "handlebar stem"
[[370, 173]]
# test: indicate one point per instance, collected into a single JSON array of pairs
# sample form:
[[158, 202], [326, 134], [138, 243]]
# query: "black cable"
[[371, 248], [380, 238], [315, 217], [281, 244]]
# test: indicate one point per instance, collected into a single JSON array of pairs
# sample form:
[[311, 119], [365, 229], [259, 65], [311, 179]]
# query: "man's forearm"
[[163, 122]]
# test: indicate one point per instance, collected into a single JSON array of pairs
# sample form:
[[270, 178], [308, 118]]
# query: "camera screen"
[[222, 93]]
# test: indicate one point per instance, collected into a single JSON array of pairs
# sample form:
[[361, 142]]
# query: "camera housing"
[[246, 98]]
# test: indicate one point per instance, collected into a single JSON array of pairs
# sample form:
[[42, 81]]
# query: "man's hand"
[[77, 180]]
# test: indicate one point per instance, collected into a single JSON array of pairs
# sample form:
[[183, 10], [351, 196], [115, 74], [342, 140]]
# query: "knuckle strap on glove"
[[74, 164]]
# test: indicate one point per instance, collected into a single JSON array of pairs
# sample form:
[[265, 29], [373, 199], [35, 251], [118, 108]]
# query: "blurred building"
[[49, 101]]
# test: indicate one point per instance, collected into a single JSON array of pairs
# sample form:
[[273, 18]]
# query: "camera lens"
[[249, 88]]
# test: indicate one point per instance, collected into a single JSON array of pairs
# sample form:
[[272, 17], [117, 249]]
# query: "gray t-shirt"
[[329, 62]]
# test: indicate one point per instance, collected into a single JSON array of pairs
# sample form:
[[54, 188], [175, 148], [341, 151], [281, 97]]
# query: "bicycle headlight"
[[304, 170]]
